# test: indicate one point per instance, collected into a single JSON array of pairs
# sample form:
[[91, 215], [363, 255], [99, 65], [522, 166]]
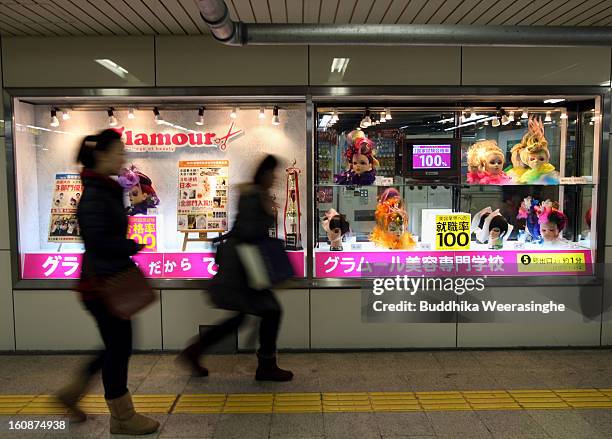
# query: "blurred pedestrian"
[[103, 224], [230, 290]]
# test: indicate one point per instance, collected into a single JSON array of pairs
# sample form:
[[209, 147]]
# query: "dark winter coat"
[[229, 288], [103, 224]]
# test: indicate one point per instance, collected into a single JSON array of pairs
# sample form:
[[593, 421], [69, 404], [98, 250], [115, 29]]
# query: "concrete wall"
[[313, 318]]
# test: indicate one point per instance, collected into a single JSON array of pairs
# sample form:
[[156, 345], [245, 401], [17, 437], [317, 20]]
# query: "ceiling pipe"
[[216, 14]]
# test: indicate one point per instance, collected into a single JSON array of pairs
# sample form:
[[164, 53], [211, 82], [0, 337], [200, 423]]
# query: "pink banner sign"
[[153, 265], [330, 264]]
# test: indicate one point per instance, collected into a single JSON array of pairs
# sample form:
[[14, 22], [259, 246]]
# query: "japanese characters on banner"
[[153, 265], [202, 196], [143, 230], [67, 191], [453, 263]]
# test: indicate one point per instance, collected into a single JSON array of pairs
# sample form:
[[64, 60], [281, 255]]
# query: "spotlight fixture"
[[54, 122], [464, 118], [366, 121], [334, 118], [65, 115], [495, 122], [505, 120], [275, 119], [388, 114], [131, 114], [200, 119], [486, 123], [548, 117], [383, 116], [158, 118], [563, 114], [511, 116], [524, 114], [518, 123], [112, 120], [234, 113], [473, 114], [262, 113]]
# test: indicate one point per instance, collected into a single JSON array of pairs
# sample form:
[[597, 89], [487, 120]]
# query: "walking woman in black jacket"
[[103, 222], [229, 288]]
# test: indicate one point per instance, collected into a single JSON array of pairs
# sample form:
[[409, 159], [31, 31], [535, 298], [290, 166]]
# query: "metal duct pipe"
[[216, 14]]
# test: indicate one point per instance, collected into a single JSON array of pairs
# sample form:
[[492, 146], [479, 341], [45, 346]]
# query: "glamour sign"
[[168, 142]]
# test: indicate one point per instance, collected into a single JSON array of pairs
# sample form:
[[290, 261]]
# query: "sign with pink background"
[[153, 265]]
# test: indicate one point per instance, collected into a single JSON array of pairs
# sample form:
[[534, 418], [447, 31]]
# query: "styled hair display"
[[391, 229], [361, 163], [531, 157], [336, 226], [140, 190], [486, 164]]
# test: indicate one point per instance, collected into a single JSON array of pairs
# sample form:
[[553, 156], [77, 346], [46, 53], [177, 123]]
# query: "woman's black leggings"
[[117, 336]]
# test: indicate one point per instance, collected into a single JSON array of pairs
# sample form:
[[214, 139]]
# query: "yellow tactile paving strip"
[[326, 402]]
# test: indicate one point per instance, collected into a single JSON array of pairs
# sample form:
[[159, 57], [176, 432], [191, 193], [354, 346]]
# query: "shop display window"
[[184, 167], [467, 190]]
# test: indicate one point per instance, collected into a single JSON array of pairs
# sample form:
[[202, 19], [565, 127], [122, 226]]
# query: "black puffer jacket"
[[103, 224], [251, 225]]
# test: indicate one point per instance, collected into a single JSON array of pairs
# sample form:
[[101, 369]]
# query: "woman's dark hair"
[[268, 164], [100, 142]]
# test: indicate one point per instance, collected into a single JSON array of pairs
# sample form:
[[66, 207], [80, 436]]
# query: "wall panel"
[[536, 66], [386, 65], [336, 324], [202, 61], [56, 320], [71, 61], [579, 325]]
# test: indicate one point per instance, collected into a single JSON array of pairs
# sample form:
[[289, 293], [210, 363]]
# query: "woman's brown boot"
[[124, 420], [268, 370]]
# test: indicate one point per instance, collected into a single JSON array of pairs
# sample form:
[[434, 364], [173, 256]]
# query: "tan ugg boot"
[[124, 420]]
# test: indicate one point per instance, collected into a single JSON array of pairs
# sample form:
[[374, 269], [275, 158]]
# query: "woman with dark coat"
[[103, 224], [229, 288]]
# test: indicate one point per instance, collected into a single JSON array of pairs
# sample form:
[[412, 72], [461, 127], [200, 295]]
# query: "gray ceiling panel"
[[182, 17]]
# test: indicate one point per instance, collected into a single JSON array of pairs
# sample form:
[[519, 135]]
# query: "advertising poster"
[[143, 230], [67, 191], [202, 196]]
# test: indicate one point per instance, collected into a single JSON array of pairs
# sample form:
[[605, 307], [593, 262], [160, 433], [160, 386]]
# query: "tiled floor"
[[329, 373]]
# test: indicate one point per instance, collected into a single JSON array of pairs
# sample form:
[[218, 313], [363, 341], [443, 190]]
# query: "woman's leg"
[[117, 337], [191, 354]]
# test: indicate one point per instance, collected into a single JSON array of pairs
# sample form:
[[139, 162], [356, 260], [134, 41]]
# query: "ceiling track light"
[[200, 120], [383, 116], [158, 118], [112, 120], [563, 114], [262, 113], [234, 113], [65, 115], [548, 117], [511, 116], [275, 119], [366, 121], [495, 122], [524, 114], [54, 122], [131, 114], [505, 119], [388, 114], [473, 114]]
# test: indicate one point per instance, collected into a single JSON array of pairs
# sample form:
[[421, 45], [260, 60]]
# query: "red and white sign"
[[138, 141]]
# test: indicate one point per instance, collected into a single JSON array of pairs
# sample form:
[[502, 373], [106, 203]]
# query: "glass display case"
[[184, 167], [504, 188]]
